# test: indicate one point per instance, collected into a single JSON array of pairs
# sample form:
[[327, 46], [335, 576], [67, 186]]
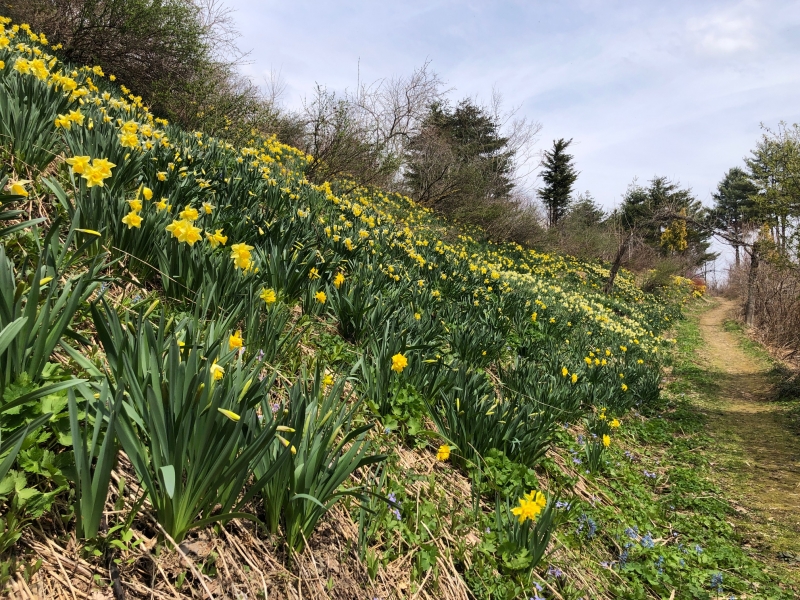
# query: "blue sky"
[[645, 88]]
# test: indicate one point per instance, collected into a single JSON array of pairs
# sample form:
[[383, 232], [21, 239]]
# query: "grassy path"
[[756, 457]]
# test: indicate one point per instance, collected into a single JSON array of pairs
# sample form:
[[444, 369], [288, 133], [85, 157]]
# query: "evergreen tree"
[[584, 211], [652, 211], [734, 207], [774, 167], [460, 164], [665, 218], [559, 175]]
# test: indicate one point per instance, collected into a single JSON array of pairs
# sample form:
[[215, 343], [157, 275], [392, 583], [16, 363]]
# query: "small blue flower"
[[716, 581], [555, 572], [660, 564], [623, 558], [647, 541]]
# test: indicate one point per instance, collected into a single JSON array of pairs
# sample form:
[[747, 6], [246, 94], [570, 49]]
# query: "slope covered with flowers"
[[244, 344]]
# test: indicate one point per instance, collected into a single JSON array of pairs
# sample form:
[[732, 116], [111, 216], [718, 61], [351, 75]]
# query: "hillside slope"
[[307, 389]]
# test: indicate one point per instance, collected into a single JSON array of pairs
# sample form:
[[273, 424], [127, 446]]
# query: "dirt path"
[[757, 458]]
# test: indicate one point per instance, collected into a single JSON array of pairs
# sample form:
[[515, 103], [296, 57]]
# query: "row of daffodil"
[[351, 227], [237, 235]]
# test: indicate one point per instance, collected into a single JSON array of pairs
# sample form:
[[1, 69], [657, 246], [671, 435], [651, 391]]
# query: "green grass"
[[681, 506]]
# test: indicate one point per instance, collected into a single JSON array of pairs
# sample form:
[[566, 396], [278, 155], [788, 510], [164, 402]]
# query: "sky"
[[669, 88]]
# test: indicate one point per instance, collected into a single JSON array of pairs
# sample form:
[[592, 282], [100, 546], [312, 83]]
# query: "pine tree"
[[559, 176], [460, 163], [734, 207]]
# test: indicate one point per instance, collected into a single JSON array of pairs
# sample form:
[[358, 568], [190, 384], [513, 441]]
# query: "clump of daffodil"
[[399, 362], [94, 172], [443, 453], [530, 505]]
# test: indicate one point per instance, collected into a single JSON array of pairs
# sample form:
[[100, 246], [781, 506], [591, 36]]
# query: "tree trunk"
[[750, 306], [736, 248], [612, 274]]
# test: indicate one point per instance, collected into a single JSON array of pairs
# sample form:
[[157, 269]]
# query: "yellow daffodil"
[[443, 453], [606, 440], [217, 372], [235, 341], [78, 164], [208, 208], [18, 187], [103, 166], [268, 295], [216, 238], [184, 231], [128, 140], [189, 214], [132, 219], [399, 362], [75, 116], [240, 253], [338, 280], [321, 297], [530, 506]]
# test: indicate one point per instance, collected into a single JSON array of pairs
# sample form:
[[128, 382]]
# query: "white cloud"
[[723, 32]]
